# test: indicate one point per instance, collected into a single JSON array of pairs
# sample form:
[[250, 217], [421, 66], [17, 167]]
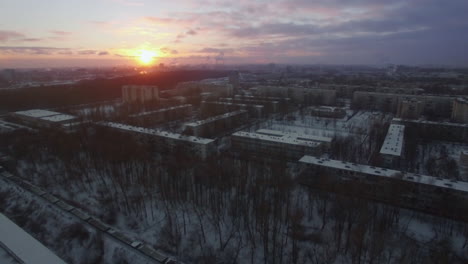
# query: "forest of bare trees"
[[229, 209]]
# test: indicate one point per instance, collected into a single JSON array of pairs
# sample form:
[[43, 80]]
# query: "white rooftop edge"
[[286, 138], [23, 245], [400, 120], [154, 132], [37, 113], [215, 118], [297, 135], [161, 110], [46, 115]]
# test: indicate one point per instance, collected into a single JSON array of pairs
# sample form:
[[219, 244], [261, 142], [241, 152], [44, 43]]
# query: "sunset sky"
[[35, 33]]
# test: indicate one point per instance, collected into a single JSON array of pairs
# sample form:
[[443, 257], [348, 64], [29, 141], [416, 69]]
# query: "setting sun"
[[146, 56]]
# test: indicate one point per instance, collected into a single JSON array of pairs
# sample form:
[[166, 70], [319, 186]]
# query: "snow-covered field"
[[227, 210], [440, 152], [71, 239], [197, 232]]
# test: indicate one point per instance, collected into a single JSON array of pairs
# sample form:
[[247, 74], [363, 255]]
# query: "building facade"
[[410, 108], [387, 102], [430, 130], [139, 93], [268, 106], [460, 110], [328, 112], [196, 88], [300, 95], [201, 148], [429, 194], [278, 145], [217, 108], [45, 118], [161, 115], [213, 126]]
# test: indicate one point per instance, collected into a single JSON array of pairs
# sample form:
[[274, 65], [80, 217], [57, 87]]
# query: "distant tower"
[[460, 110], [139, 93], [8, 75], [234, 79]]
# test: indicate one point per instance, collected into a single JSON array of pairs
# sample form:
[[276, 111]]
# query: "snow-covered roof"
[[383, 172], [235, 104], [400, 120], [248, 100], [37, 113], [23, 246], [161, 110], [215, 118], [58, 118], [154, 132], [297, 135], [291, 139], [266, 98], [393, 143]]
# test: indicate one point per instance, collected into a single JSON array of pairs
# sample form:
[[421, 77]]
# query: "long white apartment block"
[[306, 137], [392, 147], [270, 106], [44, 118], [446, 197], [201, 147], [163, 114], [278, 144], [255, 111], [216, 124]]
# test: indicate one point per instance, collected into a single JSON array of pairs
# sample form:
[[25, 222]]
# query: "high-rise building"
[[460, 110], [139, 93]]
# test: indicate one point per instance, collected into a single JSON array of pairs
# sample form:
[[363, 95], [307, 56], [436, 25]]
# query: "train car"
[[136, 244], [80, 214], [98, 224], [119, 236], [15, 179], [65, 206], [25, 185], [37, 190], [6, 174], [155, 254], [49, 197], [172, 261]]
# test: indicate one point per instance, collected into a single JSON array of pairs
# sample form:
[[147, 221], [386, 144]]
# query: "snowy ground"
[[440, 150], [72, 240]]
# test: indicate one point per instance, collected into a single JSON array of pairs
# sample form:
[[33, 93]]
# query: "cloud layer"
[[244, 31]]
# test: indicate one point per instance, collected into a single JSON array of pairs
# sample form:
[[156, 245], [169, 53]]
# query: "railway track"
[[144, 250]]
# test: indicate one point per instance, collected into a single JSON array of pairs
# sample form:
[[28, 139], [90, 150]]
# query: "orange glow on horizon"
[[146, 57]]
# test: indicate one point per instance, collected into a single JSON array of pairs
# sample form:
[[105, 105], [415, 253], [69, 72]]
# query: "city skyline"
[[139, 32]]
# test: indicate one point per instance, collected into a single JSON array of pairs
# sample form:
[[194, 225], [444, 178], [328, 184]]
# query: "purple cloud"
[[7, 35], [31, 50], [60, 33], [31, 39], [214, 50], [191, 32], [87, 52]]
